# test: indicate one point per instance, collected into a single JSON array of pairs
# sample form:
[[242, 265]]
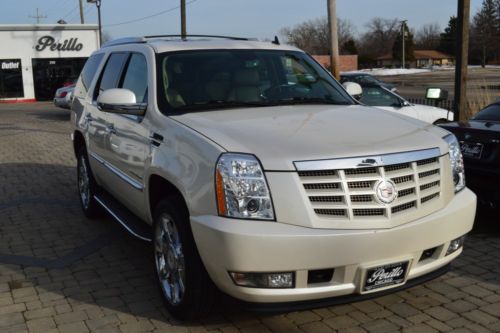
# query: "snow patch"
[[389, 71]]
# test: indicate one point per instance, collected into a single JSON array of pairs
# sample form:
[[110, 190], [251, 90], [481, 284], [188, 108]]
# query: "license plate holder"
[[385, 276], [472, 149]]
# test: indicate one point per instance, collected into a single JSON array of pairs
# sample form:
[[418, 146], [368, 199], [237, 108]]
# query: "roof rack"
[[134, 40], [202, 36], [125, 40]]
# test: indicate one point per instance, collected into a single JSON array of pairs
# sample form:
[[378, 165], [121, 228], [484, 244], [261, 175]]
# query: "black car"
[[364, 79], [480, 143]]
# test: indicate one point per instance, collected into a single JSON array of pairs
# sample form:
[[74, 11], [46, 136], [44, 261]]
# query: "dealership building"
[[35, 60]]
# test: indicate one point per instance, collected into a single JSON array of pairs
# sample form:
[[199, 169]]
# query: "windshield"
[[490, 113], [207, 79]]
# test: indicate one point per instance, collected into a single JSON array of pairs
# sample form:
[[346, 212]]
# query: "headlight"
[[241, 187], [457, 162]]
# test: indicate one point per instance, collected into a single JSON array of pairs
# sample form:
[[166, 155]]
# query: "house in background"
[[347, 62], [423, 58]]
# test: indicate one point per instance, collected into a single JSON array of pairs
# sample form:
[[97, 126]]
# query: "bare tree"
[[379, 38], [312, 35], [427, 37]]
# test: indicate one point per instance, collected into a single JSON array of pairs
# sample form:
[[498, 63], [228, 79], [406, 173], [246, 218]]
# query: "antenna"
[[38, 16]]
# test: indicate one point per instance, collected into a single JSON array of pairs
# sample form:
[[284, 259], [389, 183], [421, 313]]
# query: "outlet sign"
[[10, 64], [49, 42]]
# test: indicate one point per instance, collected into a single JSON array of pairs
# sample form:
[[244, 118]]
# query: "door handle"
[[110, 129], [156, 139], [89, 118]]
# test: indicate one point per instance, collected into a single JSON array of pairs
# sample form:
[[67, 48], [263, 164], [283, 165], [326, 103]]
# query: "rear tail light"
[[63, 94]]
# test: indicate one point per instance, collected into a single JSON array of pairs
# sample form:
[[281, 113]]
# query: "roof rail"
[[207, 36], [125, 40]]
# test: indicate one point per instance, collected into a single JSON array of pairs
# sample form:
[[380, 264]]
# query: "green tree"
[[349, 47], [397, 49], [448, 39], [486, 31]]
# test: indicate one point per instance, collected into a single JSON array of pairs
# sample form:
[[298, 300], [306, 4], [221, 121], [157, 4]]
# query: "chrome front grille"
[[350, 194]]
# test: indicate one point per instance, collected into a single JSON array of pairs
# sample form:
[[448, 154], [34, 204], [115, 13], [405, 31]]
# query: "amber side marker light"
[[221, 197]]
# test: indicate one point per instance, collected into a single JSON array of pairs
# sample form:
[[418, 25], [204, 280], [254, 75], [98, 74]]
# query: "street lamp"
[[98, 5], [403, 37]]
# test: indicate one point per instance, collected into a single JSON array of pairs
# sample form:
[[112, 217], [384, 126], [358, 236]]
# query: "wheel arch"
[[440, 121], [160, 188], [78, 142]]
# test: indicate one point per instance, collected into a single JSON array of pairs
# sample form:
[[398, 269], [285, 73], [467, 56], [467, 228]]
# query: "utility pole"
[[99, 22], [82, 19], [403, 37], [98, 5], [38, 16], [462, 55], [183, 19], [334, 40]]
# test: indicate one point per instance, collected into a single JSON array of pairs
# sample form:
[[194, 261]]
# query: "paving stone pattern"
[[60, 272]]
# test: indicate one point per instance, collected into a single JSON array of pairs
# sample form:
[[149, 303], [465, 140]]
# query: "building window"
[[11, 78]]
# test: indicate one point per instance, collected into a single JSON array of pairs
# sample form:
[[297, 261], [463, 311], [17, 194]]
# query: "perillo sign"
[[66, 45]]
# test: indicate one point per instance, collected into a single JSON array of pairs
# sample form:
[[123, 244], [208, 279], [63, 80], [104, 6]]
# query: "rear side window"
[[111, 74], [87, 75], [136, 77], [90, 69]]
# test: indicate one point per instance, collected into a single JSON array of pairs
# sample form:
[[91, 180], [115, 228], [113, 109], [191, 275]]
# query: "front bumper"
[[252, 246]]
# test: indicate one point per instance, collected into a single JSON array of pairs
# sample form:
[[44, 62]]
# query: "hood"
[[479, 125], [280, 135]]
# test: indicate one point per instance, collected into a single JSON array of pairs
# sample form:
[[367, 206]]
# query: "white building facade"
[[35, 60]]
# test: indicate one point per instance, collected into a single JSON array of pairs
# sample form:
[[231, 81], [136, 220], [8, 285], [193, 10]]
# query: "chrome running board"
[[122, 215]]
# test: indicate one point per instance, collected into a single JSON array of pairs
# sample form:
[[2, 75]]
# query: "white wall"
[[20, 42]]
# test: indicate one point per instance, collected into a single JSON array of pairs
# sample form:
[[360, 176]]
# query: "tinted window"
[[199, 80], [490, 113], [11, 78], [376, 96], [112, 72], [136, 77], [90, 69]]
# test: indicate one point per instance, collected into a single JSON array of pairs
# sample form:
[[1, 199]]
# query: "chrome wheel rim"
[[84, 182], [169, 257]]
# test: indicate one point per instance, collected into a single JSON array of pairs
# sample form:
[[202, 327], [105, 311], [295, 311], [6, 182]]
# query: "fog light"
[[264, 280], [455, 245]]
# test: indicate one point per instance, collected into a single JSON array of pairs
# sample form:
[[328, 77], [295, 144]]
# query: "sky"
[[245, 18]]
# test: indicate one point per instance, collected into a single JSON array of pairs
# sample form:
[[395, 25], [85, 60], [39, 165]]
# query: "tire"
[[441, 121], [87, 186], [186, 288]]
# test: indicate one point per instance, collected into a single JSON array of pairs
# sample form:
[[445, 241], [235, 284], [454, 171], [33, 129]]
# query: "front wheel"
[[187, 290]]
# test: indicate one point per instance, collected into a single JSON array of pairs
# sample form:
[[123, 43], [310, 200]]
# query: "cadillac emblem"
[[385, 191]]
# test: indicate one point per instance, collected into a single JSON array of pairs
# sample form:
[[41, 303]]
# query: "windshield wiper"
[[307, 100], [219, 104]]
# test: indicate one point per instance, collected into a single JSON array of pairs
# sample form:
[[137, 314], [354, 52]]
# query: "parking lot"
[[60, 272], [482, 83]]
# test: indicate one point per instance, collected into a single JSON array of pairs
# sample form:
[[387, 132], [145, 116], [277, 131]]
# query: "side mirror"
[[437, 94], [353, 89], [120, 101]]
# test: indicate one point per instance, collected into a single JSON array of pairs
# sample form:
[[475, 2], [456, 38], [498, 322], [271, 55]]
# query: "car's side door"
[[383, 99], [129, 140], [99, 153]]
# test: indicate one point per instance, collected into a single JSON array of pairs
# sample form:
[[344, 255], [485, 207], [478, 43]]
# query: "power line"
[[149, 16], [70, 12]]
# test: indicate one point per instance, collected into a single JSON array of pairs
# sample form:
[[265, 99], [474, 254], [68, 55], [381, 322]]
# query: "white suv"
[[251, 169]]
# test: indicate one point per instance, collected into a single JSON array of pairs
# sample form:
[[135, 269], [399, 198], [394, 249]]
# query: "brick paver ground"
[[60, 272]]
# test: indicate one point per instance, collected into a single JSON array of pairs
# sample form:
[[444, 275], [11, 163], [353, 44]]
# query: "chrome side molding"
[[132, 182]]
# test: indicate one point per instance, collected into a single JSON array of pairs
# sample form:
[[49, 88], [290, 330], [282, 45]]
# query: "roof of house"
[[421, 54]]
